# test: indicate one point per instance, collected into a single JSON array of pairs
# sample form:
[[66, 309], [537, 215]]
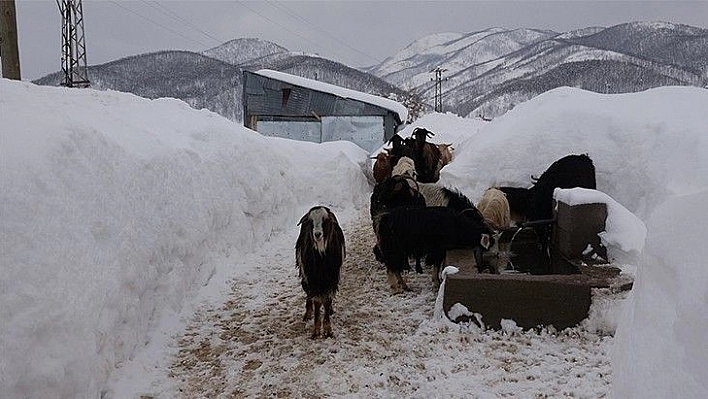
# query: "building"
[[283, 105]]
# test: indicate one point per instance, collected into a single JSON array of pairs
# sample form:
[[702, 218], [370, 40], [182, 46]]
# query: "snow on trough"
[[121, 217]]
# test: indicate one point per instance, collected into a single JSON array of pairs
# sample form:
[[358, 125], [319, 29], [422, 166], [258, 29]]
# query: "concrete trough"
[[530, 300], [561, 299]]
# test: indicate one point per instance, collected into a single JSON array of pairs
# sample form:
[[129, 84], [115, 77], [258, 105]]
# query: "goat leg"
[[308, 310], [318, 320], [327, 325]]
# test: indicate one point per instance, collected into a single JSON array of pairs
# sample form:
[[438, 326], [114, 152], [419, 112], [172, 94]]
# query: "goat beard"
[[320, 245]]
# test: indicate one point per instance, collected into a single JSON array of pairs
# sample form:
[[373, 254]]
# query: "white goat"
[[405, 167]]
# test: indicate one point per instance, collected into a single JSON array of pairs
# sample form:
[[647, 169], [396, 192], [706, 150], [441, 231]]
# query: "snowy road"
[[256, 344]]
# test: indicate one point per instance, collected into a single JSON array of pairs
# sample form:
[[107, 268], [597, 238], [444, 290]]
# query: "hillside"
[[217, 83], [491, 71], [486, 72]]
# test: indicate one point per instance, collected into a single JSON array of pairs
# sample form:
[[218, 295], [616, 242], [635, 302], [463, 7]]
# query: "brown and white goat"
[[495, 208], [319, 253], [445, 154]]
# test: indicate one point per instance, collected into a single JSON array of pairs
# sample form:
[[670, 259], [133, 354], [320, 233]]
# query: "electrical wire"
[[311, 25], [156, 23], [166, 11]]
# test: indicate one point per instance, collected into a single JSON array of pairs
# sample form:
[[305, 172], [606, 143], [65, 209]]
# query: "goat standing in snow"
[[319, 254]]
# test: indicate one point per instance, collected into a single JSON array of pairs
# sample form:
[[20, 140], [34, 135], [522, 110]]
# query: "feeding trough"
[[536, 289]]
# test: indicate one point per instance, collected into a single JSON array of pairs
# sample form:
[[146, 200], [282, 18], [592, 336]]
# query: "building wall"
[[277, 103]]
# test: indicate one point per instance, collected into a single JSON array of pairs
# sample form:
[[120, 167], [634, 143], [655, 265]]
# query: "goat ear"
[[486, 241], [303, 218], [332, 216]]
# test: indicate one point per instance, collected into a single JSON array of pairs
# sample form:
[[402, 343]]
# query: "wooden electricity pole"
[[9, 51]]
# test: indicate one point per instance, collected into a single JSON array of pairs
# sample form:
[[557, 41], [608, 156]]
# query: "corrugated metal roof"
[[381, 102]]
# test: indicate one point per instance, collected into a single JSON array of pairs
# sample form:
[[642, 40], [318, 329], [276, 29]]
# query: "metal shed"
[[283, 105]]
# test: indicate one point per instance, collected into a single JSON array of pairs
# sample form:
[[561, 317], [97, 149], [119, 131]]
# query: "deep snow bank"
[[661, 349], [114, 207], [646, 146]]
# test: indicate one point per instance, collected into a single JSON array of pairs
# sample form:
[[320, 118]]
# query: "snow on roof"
[[391, 105]]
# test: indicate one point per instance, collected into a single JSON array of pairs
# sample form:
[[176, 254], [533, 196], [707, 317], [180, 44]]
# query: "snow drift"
[[116, 209]]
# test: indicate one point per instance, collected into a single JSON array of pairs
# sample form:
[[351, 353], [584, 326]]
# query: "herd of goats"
[[414, 218]]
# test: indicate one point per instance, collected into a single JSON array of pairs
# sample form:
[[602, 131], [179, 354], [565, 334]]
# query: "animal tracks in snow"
[[257, 345]]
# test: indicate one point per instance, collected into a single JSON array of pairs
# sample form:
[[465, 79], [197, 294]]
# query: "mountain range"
[[485, 73]]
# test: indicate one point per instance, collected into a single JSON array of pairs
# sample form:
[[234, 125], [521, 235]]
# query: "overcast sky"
[[356, 33]]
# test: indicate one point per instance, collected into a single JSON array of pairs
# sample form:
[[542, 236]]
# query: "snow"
[[661, 350], [624, 233], [385, 103], [138, 235]]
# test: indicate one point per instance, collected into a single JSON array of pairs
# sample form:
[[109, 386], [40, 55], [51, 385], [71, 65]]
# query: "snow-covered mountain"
[[410, 68], [486, 73], [238, 51], [489, 72], [214, 78]]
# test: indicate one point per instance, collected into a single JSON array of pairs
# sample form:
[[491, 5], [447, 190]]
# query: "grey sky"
[[357, 33]]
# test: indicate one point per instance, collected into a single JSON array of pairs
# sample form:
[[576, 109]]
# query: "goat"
[[427, 156], [519, 201], [436, 195], [495, 208], [400, 147], [445, 153], [426, 231], [382, 166], [405, 167], [319, 253], [567, 172], [393, 192]]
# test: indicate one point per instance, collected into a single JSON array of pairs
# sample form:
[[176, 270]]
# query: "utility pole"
[[73, 48], [9, 51], [438, 87]]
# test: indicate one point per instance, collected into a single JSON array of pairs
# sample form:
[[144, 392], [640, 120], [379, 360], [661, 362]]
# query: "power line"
[[311, 25], [157, 23], [276, 23], [166, 11]]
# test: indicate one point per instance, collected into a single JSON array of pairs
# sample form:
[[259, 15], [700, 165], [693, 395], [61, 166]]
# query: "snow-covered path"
[[256, 344]]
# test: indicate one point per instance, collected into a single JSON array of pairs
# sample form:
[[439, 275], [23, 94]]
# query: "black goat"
[[519, 202], [567, 172], [393, 192], [428, 231], [319, 253]]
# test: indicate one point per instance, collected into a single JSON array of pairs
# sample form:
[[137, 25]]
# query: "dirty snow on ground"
[[147, 249]]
